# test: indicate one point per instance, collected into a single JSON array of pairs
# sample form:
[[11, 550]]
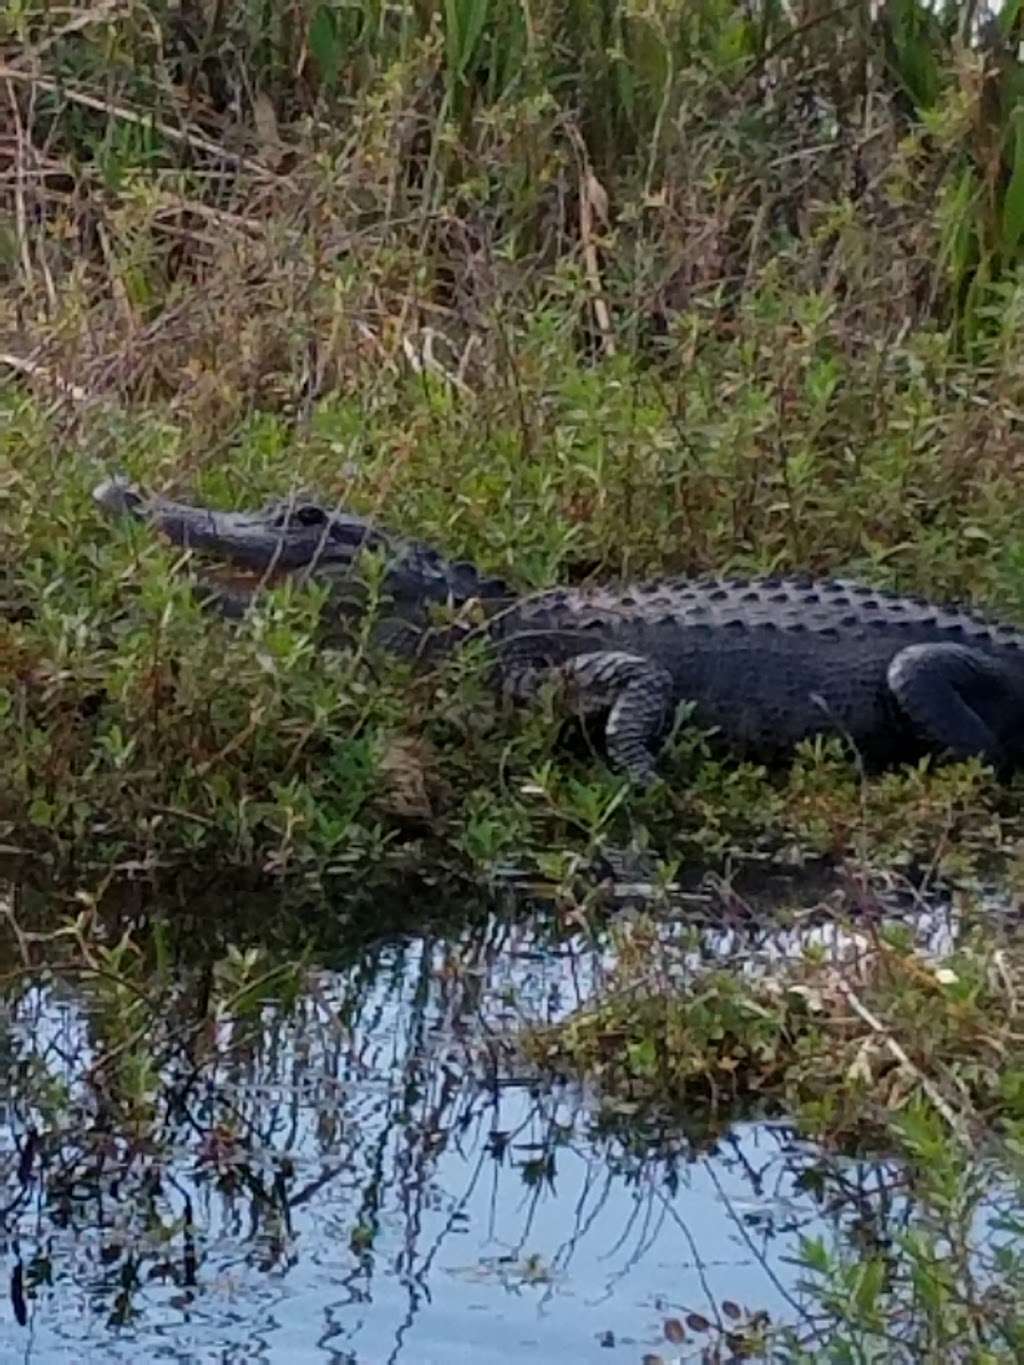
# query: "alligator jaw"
[[287, 535]]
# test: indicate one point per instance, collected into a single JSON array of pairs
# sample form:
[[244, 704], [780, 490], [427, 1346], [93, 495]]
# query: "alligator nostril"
[[116, 495]]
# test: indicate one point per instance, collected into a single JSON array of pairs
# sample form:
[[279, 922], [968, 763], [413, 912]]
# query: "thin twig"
[[190, 139], [956, 1121], [593, 197], [42, 372]]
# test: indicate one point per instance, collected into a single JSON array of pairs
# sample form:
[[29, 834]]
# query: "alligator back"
[[767, 661]]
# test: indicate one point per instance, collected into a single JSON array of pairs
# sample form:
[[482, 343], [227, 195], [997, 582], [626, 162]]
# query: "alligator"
[[765, 662]]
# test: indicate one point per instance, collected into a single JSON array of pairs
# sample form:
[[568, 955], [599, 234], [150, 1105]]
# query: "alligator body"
[[766, 662]]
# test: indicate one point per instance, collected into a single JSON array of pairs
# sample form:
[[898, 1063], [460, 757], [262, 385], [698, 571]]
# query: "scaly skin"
[[766, 662]]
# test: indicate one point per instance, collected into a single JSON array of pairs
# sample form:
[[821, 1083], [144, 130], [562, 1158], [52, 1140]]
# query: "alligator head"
[[299, 537]]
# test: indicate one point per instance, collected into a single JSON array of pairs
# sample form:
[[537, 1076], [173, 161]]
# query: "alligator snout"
[[289, 534], [119, 496]]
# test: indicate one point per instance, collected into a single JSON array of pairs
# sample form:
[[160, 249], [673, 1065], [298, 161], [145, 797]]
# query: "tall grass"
[[706, 139]]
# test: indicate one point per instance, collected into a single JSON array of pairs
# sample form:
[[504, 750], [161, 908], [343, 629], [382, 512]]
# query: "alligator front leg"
[[635, 692], [959, 700]]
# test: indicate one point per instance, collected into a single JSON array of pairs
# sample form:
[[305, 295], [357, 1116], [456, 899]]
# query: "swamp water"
[[364, 1178]]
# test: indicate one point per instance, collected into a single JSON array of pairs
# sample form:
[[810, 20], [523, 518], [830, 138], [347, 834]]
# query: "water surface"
[[368, 1179]]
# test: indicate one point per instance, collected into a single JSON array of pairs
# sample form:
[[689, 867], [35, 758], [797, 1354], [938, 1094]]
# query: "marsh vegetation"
[[573, 290]]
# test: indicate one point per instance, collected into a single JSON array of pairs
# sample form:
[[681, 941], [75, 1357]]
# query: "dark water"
[[395, 1192]]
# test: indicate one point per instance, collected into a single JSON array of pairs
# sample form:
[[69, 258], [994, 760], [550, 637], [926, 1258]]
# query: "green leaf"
[[325, 44], [643, 1057], [1013, 200], [911, 50], [1007, 17], [464, 23], [1011, 1089], [869, 1286], [959, 240], [814, 1254]]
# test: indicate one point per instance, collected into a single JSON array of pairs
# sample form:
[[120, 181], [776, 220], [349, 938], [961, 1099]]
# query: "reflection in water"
[[362, 1180]]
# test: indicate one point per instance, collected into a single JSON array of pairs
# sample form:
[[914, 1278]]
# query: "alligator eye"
[[288, 513], [310, 515]]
